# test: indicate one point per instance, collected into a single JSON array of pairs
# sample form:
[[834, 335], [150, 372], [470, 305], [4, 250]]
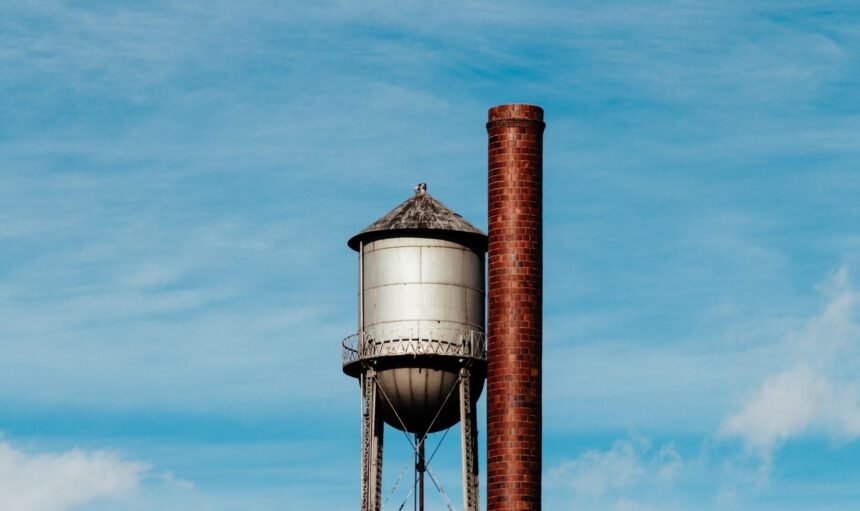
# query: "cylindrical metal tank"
[[421, 312], [422, 284]]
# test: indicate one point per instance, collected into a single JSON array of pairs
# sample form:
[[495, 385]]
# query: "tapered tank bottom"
[[423, 392]]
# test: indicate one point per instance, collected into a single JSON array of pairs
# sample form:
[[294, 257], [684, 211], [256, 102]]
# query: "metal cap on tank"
[[422, 215]]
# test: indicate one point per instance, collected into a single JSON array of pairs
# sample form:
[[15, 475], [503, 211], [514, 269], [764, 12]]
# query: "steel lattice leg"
[[371, 448], [378, 430], [469, 442]]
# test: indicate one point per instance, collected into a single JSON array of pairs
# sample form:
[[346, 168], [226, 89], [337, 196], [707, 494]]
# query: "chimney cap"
[[511, 111]]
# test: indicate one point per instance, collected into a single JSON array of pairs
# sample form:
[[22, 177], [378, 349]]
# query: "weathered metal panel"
[[421, 282], [420, 212]]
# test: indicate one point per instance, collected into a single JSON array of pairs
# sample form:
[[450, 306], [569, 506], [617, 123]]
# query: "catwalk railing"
[[382, 342]]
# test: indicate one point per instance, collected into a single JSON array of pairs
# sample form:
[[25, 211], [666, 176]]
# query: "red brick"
[[515, 286]]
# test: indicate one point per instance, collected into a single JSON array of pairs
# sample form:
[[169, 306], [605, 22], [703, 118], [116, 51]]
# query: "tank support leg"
[[420, 467], [371, 448], [469, 442]]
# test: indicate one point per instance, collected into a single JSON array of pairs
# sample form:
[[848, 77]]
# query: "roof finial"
[[421, 189]]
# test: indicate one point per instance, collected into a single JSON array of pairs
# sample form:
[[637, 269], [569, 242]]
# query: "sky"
[[178, 181]]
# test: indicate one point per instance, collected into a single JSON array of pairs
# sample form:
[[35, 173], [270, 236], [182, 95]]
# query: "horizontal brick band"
[[516, 123]]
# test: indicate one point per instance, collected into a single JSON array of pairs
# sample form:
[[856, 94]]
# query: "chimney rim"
[[525, 111]]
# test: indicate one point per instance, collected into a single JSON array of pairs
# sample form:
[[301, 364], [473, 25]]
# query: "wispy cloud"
[[62, 481], [820, 393], [793, 403], [615, 478], [596, 473]]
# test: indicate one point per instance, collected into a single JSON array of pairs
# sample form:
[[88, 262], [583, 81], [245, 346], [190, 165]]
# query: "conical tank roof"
[[422, 215]]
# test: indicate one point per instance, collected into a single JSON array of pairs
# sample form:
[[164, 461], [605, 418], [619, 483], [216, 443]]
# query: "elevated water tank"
[[421, 312]]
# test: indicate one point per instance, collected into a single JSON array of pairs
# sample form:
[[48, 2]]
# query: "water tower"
[[420, 352]]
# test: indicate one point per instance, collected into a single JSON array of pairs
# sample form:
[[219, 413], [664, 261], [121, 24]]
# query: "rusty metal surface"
[[420, 213], [419, 284]]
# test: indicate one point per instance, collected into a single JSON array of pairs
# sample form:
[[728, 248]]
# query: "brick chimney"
[[515, 261]]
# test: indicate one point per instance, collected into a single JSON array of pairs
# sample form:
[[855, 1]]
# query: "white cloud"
[[819, 392], [598, 474], [58, 482], [670, 463], [170, 479], [595, 473], [792, 403]]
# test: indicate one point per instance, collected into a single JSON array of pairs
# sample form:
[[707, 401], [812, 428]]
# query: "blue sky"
[[178, 181]]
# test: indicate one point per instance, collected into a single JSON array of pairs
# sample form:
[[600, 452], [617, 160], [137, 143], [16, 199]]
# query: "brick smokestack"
[[515, 260]]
